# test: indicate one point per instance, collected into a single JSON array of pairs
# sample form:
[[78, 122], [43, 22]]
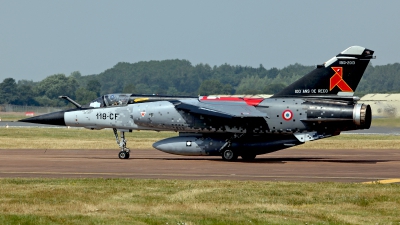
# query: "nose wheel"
[[123, 155]]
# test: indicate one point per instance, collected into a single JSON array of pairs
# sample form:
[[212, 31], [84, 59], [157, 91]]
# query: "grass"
[[354, 141], [386, 122], [12, 116], [128, 201], [64, 138]]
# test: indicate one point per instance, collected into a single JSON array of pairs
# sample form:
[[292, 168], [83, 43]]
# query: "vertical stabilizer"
[[341, 73]]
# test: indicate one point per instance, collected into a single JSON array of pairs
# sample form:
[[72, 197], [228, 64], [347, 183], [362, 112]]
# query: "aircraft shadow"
[[327, 160], [257, 160], [279, 160]]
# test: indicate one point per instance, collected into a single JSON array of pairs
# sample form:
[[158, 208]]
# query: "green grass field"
[[139, 201], [129, 201], [386, 122], [12, 116]]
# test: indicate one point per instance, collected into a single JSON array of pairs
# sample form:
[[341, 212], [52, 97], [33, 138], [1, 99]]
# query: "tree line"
[[177, 77]]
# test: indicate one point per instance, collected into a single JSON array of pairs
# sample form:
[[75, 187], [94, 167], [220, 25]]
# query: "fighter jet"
[[318, 105]]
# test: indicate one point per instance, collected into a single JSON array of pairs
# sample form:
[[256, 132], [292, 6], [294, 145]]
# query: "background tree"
[[251, 85], [26, 95], [94, 85], [129, 88], [76, 74], [84, 96], [274, 88], [53, 86], [8, 91], [214, 87]]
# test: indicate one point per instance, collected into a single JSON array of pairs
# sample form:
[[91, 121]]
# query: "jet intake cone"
[[55, 118]]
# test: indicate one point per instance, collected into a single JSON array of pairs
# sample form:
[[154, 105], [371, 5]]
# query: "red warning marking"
[[287, 115], [142, 114], [249, 101]]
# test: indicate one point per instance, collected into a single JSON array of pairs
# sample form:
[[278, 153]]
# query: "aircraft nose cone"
[[55, 118]]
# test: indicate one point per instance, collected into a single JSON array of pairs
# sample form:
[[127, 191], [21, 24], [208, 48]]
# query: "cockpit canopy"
[[121, 99], [110, 100]]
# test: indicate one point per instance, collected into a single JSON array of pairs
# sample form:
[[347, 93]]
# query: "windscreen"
[[116, 99]]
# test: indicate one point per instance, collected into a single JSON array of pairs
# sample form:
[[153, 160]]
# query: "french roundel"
[[287, 115]]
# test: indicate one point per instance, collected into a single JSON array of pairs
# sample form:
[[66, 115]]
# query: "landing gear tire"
[[229, 155], [249, 157], [123, 155]]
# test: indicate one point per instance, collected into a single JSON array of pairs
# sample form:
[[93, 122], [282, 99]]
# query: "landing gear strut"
[[124, 153]]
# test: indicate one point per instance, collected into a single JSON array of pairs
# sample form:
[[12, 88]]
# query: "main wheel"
[[229, 155], [249, 156], [123, 155]]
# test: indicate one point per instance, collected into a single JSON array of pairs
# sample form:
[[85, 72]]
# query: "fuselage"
[[278, 123], [282, 115]]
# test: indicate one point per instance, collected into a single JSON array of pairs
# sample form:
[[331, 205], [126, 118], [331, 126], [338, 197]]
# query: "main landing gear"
[[226, 153], [125, 152], [230, 155]]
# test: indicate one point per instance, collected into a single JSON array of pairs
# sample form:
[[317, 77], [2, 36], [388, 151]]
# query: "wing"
[[223, 109]]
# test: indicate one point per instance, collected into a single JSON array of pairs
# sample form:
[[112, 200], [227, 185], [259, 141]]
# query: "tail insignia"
[[337, 80]]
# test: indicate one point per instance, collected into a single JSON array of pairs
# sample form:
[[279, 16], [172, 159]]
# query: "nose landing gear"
[[125, 152]]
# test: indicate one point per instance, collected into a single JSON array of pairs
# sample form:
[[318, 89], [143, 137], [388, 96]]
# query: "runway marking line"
[[387, 181]]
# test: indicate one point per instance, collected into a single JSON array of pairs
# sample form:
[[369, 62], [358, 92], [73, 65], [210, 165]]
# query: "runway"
[[286, 165]]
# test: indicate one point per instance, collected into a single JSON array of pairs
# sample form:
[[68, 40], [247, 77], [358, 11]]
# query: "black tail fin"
[[341, 73]]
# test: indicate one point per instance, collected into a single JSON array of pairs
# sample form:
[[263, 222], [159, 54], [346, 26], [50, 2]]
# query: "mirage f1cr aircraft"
[[319, 105]]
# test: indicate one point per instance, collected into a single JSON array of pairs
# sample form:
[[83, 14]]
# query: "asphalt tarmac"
[[286, 165]]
